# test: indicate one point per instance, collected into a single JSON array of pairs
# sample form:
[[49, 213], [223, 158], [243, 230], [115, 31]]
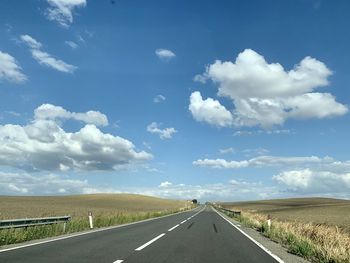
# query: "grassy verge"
[[314, 242], [18, 235]]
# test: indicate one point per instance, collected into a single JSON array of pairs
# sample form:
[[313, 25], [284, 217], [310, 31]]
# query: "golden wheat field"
[[328, 211], [80, 205]]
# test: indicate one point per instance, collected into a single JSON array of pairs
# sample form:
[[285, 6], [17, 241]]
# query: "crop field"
[[80, 205], [328, 211], [107, 209], [317, 229]]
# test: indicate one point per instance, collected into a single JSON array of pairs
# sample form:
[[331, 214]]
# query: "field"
[[317, 229], [80, 205], [328, 211], [107, 209]]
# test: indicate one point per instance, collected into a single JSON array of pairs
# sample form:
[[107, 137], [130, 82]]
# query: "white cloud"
[[31, 42], [13, 113], [166, 133], [252, 77], [314, 105], [159, 98], [165, 54], [52, 112], [200, 78], [259, 132], [10, 69], [308, 181], [47, 60], [71, 44], [220, 163], [233, 190], [209, 110], [256, 151], [61, 11], [263, 161], [22, 183], [165, 184], [44, 58], [44, 145], [267, 95], [227, 150]]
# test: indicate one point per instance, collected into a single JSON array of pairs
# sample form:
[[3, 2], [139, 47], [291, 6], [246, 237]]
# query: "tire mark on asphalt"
[[215, 229], [190, 225]]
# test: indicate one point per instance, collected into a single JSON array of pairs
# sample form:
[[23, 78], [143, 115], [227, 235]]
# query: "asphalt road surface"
[[200, 235]]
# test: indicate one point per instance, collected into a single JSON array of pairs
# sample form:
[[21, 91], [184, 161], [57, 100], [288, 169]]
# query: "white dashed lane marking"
[[171, 229], [149, 242]]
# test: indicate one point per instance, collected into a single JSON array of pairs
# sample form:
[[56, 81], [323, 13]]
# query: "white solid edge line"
[[171, 229], [89, 232], [183, 221], [118, 261], [149, 242], [253, 240]]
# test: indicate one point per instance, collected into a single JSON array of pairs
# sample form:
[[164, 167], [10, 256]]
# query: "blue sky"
[[224, 100]]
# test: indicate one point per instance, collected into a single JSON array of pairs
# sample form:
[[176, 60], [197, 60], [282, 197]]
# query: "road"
[[200, 235]]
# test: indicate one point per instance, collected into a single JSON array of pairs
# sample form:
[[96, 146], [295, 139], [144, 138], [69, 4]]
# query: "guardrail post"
[[64, 227], [90, 220]]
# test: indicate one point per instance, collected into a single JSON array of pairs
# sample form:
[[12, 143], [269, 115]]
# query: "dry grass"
[[320, 240], [79, 205], [325, 211], [108, 210]]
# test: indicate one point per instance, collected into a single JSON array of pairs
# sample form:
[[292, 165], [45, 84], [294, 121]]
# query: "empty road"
[[200, 235]]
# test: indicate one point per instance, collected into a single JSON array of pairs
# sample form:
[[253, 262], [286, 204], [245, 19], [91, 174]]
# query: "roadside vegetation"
[[108, 210], [316, 242], [325, 211]]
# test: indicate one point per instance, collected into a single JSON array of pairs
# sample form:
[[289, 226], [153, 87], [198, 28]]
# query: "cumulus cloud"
[[209, 110], [61, 11], [159, 98], [267, 95], [166, 133], [44, 58], [71, 44], [165, 54], [44, 145], [263, 161], [308, 181], [52, 112], [10, 69]]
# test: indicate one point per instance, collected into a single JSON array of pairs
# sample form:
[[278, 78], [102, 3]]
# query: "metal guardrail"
[[229, 212], [27, 222]]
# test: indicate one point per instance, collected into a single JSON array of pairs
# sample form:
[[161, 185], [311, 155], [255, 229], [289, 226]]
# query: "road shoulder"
[[274, 247]]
